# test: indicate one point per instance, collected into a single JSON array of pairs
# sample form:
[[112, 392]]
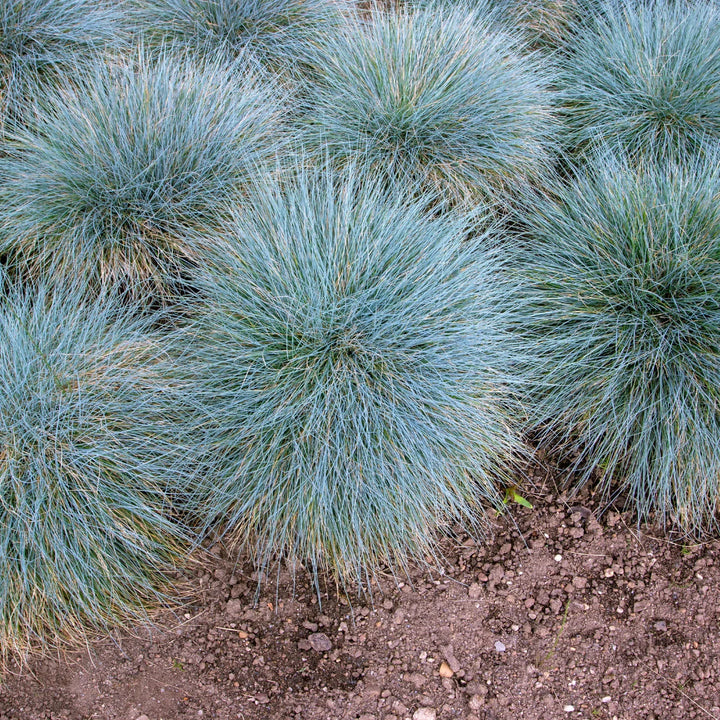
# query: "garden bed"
[[592, 613]]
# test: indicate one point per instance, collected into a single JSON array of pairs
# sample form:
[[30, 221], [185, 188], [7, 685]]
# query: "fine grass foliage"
[[436, 95], [349, 361], [622, 284], [86, 458], [41, 38], [546, 24], [109, 177], [284, 34], [646, 77]]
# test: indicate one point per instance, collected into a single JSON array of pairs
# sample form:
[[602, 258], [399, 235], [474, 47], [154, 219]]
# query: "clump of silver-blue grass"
[[284, 34], [440, 95], [108, 179], [41, 38], [548, 24], [645, 77], [621, 280], [88, 458], [350, 362]]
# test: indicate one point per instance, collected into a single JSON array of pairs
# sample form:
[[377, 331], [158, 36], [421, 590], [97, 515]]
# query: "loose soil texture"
[[561, 614]]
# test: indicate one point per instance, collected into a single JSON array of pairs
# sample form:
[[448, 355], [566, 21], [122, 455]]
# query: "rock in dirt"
[[499, 646], [449, 652], [416, 679], [476, 702], [425, 713], [235, 608], [320, 642], [445, 670], [497, 573], [475, 591]]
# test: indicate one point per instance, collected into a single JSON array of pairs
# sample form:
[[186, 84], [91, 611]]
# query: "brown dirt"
[[558, 616]]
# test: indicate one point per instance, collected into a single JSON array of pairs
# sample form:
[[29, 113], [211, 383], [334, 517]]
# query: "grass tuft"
[[284, 34], [109, 177], [645, 77], [438, 96], [349, 362], [622, 284], [39, 38], [548, 24], [86, 458]]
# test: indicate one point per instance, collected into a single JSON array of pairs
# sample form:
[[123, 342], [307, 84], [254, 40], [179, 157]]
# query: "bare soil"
[[561, 614]]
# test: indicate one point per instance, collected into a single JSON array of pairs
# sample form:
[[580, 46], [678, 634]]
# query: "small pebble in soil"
[[569, 708], [445, 670], [320, 642], [235, 608], [452, 661], [476, 702], [499, 646], [425, 713], [558, 558]]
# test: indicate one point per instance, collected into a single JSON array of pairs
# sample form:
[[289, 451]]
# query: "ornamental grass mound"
[[284, 34], [438, 96], [622, 285], [349, 362], [548, 24], [646, 78], [41, 38], [87, 460], [108, 179]]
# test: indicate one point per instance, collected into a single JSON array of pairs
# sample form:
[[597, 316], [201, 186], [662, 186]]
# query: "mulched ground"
[[560, 615]]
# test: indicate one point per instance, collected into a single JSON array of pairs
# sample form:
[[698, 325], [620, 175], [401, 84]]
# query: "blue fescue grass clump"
[[87, 461], [622, 284], [439, 95], [646, 77], [350, 366], [109, 177], [284, 34], [547, 24], [39, 38]]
